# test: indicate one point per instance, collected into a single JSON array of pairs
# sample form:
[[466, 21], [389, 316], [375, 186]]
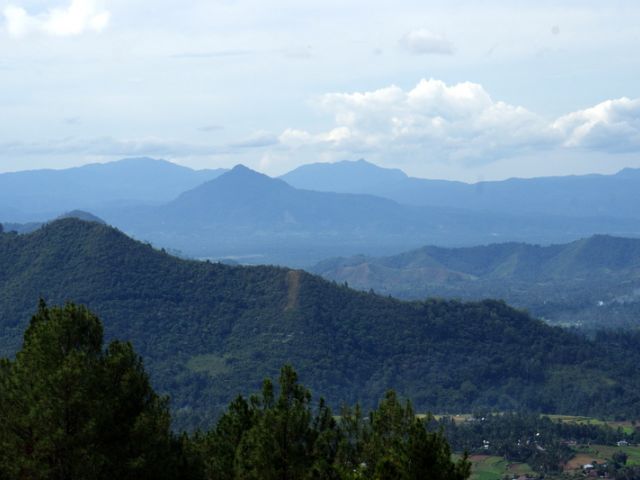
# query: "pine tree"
[[279, 445], [71, 410], [395, 444]]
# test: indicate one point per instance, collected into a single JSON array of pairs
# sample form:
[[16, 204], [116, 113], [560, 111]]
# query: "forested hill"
[[210, 331], [591, 282]]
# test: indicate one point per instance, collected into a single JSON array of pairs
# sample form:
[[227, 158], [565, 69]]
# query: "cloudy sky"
[[460, 89]]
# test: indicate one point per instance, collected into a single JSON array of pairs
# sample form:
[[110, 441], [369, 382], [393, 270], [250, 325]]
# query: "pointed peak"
[[241, 177], [241, 168], [242, 171], [362, 161]]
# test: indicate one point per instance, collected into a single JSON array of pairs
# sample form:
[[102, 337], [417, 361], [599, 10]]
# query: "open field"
[[459, 418], [581, 459], [492, 467], [605, 452], [626, 426], [489, 467]]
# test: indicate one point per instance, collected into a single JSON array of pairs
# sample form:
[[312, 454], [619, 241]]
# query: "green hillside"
[[210, 331], [593, 282]]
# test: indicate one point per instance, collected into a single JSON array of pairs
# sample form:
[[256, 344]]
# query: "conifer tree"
[[71, 410], [394, 444]]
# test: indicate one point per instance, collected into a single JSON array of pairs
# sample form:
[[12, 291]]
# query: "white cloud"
[[612, 126], [459, 122], [462, 124], [78, 17], [423, 41]]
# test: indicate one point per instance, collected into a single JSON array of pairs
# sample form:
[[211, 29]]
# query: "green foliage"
[[285, 437], [539, 441], [590, 283], [397, 445], [69, 409], [620, 458], [210, 331], [273, 438]]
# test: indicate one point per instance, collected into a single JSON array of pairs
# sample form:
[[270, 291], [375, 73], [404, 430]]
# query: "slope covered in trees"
[[71, 409], [593, 282], [210, 331]]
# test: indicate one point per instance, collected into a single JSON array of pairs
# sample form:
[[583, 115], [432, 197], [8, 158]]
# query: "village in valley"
[[526, 447]]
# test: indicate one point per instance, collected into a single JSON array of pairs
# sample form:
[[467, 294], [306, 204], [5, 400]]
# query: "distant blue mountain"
[[345, 177], [581, 196], [33, 226], [38, 195], [244, 214], [592, 282]]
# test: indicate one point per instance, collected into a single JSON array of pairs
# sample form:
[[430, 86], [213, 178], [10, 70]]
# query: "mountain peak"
[[242, 173], [82, 215], [347, 176], [236, 185], [241, 169]]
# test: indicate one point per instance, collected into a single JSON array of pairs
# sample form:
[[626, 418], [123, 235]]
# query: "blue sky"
[[465, 90]]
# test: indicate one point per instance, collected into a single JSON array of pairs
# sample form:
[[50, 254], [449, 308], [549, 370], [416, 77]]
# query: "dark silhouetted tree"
[[71, 410]]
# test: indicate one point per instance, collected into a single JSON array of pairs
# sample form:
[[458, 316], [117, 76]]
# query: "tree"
[[620, 457], [395, 444], [71, 410], [273, 435], [218, 447], [287, 440]]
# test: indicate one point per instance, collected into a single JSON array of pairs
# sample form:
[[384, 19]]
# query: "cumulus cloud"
[[78, 17], [612, 126], [460, 123], [423, 42]]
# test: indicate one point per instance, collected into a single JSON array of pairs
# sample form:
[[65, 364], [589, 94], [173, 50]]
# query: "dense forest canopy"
[[72, 409], [208, 332], [592, 283]]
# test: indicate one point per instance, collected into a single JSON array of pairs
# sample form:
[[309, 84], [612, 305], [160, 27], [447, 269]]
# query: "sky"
[[457, 89]]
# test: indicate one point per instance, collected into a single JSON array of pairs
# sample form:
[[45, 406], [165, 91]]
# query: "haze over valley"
[[246, 216]]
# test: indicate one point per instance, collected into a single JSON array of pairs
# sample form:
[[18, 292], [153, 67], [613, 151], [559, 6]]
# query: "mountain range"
[[575, 196], [37, 195], [209, 331], [592, 282], [250, 216], [245, 216]]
